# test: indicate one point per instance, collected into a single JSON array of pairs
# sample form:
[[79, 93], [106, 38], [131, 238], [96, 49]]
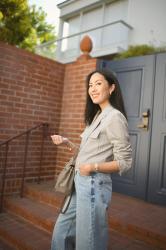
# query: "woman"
[[105, 148]]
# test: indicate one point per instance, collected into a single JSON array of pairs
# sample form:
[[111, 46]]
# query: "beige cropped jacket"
[[106, 139]]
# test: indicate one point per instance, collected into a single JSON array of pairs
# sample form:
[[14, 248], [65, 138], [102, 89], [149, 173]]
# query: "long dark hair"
[[115, 99]]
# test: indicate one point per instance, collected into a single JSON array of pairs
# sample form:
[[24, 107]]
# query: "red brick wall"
[[34, 90], [31, 89], [73, 104]]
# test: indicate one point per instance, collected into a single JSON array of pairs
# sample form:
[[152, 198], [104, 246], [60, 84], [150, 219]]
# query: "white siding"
[[90, 20], [116, 11], [74, 27], [148, 17]]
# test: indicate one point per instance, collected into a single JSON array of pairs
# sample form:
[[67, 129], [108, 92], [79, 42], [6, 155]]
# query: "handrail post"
[[4, 177], [25, 163], [45, 128]]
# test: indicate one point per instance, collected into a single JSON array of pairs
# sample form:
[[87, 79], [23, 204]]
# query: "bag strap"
[[67, 199], [66, 202], [74, 156]]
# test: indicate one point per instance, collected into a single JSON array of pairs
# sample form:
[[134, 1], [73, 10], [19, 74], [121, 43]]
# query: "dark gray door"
[[157, 166], [136, 77]]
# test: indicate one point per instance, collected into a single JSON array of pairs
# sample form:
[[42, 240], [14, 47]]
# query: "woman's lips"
[[95, 95]]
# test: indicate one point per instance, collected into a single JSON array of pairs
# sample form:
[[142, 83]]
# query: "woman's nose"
[[93, 88]]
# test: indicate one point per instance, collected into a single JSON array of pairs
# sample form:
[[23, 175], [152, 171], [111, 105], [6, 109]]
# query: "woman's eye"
[[96, 84]]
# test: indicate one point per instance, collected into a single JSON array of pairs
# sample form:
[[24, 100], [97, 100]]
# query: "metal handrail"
[[27, 133], [23, 133]]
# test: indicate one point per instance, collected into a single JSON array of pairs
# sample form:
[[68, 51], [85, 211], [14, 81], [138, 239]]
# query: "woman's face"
[[99, 90]]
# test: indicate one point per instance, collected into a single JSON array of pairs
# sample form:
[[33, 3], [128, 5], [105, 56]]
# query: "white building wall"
[[148, 19], [92, 19], [113, 25], [101, 20], [116, 11], [115, 35]]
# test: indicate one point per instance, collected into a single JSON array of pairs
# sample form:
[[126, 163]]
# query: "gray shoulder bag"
[[65, 182]]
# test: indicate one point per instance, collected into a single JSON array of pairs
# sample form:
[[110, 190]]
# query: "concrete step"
[[23, 235]]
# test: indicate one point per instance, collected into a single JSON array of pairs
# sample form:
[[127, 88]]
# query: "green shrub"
[[139, 50]]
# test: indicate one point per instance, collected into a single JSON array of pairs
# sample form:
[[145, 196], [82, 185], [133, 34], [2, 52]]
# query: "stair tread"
[[23, 234], [133, 217], [127, 211], [37, 208], [5, 246], [43, 186], [27, 237], [38, 213], [119, 241], [139, 214], [44, 192]]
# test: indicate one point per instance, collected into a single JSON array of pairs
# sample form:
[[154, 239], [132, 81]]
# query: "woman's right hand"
[[58, 139]]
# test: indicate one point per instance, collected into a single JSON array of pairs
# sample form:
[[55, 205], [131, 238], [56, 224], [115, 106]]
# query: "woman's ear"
[[112, 88]]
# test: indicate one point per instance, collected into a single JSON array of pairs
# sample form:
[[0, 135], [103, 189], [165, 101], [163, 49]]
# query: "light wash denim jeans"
[[84, 225]]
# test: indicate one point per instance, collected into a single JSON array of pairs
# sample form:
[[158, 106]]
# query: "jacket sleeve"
[[117, 132]]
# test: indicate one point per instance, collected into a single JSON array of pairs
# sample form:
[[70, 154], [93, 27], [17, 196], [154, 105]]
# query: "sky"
[[49, 6]]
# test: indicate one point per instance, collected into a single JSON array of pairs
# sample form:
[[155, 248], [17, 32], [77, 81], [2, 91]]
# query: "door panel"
[[136, 77], [157, 168]]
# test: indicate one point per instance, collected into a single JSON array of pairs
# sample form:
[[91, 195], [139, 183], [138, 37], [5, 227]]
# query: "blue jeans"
[[84, 225]]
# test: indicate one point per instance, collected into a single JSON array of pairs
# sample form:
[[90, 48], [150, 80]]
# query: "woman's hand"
[[85, 169], [58, 139]]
